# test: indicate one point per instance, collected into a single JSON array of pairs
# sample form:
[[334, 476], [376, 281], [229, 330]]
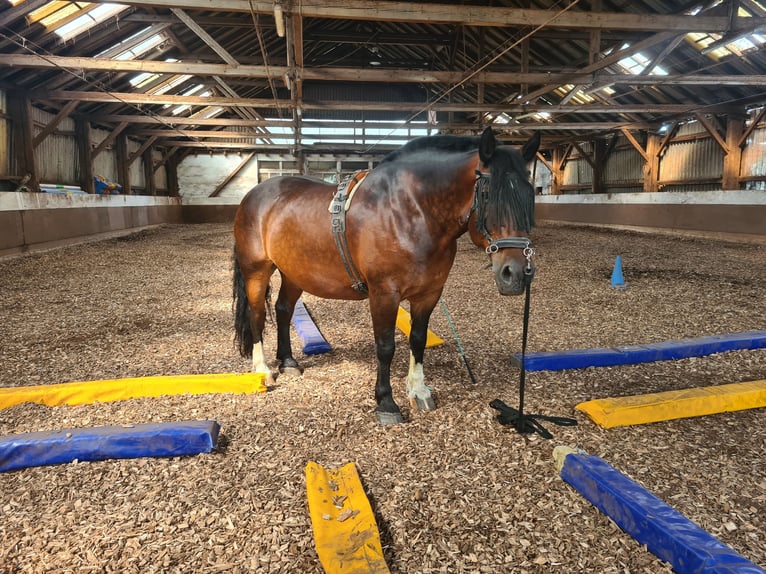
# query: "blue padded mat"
[[313, 341], [667, 533], [632, 354], [101, 443]]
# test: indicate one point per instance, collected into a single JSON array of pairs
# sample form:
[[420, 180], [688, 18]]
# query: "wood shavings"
[[453, 491]]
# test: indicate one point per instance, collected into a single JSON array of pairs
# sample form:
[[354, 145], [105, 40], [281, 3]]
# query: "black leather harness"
[[338, 207]]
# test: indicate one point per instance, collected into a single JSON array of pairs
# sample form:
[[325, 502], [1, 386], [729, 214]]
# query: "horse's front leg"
[[284, 307], [383, 310], [418, 392]]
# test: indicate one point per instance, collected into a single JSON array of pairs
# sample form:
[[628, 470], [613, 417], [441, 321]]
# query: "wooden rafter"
[[468, 15]]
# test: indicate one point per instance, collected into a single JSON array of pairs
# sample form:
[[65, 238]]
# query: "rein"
[[524, 423]]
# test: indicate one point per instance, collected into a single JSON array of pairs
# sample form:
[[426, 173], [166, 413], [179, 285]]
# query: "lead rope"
[[457, 339], [524, 332], [526, 424]]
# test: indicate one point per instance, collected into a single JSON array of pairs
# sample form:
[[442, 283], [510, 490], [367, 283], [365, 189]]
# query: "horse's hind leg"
[[257, 286], [289, 294], [418, 392], [383, 309]]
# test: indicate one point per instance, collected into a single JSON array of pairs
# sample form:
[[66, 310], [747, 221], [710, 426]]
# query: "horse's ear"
[[487, 145], [531, 147]]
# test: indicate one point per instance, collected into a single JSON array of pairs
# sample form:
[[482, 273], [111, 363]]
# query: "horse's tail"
[[243, 332]]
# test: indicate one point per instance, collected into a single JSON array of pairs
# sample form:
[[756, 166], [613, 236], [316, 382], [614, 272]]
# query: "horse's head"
[[503, 211]]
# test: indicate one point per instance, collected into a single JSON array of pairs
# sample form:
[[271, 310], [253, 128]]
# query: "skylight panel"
[[94, 16], [68, 19], [141, 48], [190, 92], [55, 12], [209, 112], [134, 45], [170, 84], [579, 96], [143, 79], [637, 63]]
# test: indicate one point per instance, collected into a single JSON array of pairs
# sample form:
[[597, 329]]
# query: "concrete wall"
[[704, 211], [209, 210], [33, 221]]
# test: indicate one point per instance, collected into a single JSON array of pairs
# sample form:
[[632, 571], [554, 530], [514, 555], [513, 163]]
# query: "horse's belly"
[[321, 278]]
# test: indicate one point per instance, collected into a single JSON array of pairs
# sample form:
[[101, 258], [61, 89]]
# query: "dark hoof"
[[291, 368], [428, 404], [388, 419]]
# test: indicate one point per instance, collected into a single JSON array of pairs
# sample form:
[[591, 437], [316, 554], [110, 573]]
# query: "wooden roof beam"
[[168, 99], [468, 15], [585, 76]]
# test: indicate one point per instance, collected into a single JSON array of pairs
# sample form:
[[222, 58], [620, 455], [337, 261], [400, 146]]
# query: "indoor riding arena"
[[596, 382]]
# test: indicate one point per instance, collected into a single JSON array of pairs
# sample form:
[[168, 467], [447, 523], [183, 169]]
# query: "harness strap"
[[338, 207]]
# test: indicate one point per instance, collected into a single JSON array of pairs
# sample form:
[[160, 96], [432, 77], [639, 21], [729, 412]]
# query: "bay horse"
[[400, 234]]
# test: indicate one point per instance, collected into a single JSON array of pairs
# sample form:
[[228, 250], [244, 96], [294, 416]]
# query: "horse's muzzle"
[[510, 276]]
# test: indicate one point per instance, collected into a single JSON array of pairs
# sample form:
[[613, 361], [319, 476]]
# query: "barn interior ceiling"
[[310, 76]]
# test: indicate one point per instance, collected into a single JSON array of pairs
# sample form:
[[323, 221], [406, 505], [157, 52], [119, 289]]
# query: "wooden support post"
[[735, 125], [148, 159], [652, 169], [651, 157], [557, 173], [598, 164], [82, 131], [171, 176], [20, 112], [123, 165]]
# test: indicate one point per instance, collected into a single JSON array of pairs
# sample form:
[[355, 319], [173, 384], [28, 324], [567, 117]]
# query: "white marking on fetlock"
[[416, 387], [259, 363]]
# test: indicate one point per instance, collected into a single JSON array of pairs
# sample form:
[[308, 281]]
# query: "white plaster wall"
[[199, 175]]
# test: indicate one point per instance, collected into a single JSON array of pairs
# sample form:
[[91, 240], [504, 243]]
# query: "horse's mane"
[[446, 143], [507, 193]]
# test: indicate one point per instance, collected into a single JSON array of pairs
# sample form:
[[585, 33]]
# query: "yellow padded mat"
[[403, 322], [86, 392], [345, 533], [656, 407]]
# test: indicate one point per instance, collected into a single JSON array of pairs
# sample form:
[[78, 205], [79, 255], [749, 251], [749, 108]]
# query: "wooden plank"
[[468, 15], [713, 131], [64, 112], [108, 139], [634, 142]]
